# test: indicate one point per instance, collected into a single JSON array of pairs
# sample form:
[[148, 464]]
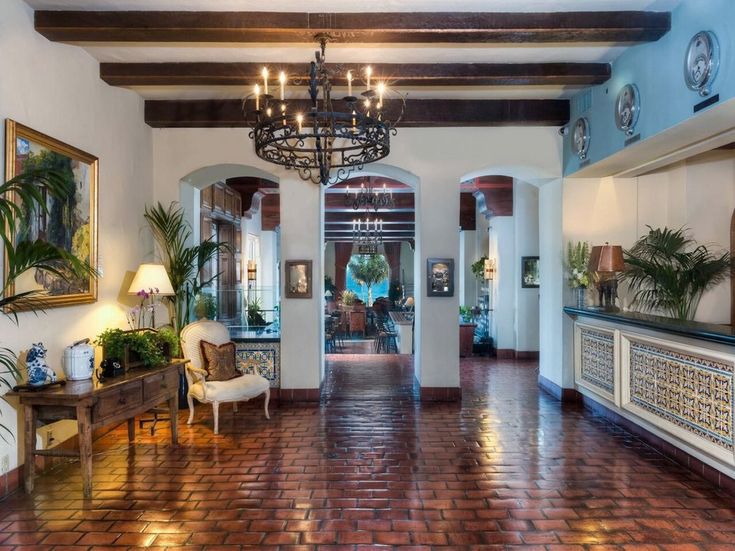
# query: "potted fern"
[[667, 271], [23, 256]]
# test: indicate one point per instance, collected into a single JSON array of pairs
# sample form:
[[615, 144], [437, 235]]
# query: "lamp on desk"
[[150, 282], [605, 262]]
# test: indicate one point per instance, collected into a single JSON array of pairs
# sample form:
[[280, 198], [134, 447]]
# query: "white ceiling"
[[273, 54]]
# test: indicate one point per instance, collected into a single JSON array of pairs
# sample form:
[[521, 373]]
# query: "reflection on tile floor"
[[509, 466]]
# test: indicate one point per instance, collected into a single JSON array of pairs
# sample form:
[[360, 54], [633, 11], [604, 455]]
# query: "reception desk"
[[404, 327], [675, 379]]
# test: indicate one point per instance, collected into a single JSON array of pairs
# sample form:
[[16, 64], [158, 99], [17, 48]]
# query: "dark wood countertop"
[[712, 332]]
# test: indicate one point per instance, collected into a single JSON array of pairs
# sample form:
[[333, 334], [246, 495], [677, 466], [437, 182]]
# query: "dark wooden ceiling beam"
[[396, 74], [419, 113], [402, 27]]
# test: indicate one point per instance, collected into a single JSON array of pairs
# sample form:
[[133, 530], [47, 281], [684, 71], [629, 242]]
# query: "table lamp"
[[150, 282], [605, 261]]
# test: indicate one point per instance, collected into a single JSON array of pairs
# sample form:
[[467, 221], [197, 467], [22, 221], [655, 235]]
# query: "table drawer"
[[161, 384], [117, 401]]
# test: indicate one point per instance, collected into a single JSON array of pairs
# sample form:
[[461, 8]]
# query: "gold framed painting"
[[69, 223]]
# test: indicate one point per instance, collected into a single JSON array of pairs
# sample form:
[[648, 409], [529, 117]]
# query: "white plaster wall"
[[554, 358], [269, 268], [438, 157], [526, 220], [329, 260], [507, 276], [698, 193], [468, 254], [56, 89], [407, 255]]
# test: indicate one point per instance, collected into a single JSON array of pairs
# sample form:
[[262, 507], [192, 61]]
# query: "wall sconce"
[[252, 273], [605, 262], [489, 268]]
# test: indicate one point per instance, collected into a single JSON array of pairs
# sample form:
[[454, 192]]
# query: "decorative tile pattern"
[[261, 358], [597, 365], [692, 392]]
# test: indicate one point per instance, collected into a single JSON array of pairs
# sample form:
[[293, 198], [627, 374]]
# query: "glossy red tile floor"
[[509, 466]]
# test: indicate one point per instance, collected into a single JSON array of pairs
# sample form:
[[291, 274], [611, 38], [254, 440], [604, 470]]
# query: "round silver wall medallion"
[[627, 108], [701, 62], [580, 138]]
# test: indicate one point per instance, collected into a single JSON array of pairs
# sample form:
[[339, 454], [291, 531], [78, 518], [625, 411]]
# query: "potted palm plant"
[[184, 263], [19, 196], [669, 272]]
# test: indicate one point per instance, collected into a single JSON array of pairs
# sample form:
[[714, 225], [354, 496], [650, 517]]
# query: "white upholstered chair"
[[239, 389]]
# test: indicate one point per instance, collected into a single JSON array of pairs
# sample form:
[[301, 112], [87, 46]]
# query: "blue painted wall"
[[657, 69]]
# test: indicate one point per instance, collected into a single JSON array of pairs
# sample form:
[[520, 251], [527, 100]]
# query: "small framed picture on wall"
[[298, 279], [440, 277], [530, 271]]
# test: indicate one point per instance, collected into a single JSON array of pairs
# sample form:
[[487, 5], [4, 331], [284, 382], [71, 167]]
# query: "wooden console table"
[[95, 404]]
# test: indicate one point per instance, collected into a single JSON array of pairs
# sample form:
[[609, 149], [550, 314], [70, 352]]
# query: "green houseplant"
[[205, 306], [478, 267], [184, 263], [149, 348], [29, 255], [349, 298], [369, 270], [667, 271]]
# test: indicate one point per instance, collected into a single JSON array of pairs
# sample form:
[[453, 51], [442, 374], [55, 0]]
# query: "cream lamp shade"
[[152, 279]]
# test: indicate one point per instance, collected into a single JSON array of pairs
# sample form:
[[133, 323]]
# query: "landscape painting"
[[69, 223]]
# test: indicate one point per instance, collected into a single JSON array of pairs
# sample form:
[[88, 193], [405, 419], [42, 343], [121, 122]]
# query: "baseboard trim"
[[511, 354], [440, 394], [664, 447], [561, 394], [296, 394]]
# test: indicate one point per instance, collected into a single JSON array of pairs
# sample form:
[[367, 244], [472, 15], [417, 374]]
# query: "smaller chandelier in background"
[[369, 198], [367, 235]]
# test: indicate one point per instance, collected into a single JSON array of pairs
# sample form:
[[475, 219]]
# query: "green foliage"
[[349, 298], [668, 271], [148, 345], [578, 258], [205, 306], [183, 263], [466, 313], [478, 267], [395, 291], [329, 285], [369, 270], [23, 255], [255, 318]]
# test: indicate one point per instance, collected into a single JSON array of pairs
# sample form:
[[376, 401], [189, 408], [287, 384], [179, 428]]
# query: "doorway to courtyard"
[[368, 315]]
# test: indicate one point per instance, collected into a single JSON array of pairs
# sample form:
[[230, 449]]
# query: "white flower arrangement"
[[578, 257]]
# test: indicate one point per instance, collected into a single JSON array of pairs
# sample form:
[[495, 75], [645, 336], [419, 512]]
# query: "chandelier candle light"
[[369, 237], [323, 143], [367, 198]]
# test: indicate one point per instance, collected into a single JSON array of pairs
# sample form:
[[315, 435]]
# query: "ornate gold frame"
[[14, 130]]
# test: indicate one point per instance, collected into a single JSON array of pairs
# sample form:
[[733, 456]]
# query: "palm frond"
[[667, 271]]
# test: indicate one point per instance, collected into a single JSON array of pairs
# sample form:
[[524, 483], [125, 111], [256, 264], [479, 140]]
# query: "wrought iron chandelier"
[[322, 143], [367, 197], [367, 235]]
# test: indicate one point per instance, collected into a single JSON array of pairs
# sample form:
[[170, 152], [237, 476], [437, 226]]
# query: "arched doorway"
[[369, 319]]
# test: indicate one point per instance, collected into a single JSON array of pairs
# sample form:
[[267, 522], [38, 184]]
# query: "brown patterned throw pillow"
[[219, 361]]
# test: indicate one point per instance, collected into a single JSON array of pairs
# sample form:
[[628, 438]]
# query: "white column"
[[301, 343], [554, 358], [437, 343]]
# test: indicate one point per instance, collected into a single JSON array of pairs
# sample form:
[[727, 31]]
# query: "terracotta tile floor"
[[507, 467]]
